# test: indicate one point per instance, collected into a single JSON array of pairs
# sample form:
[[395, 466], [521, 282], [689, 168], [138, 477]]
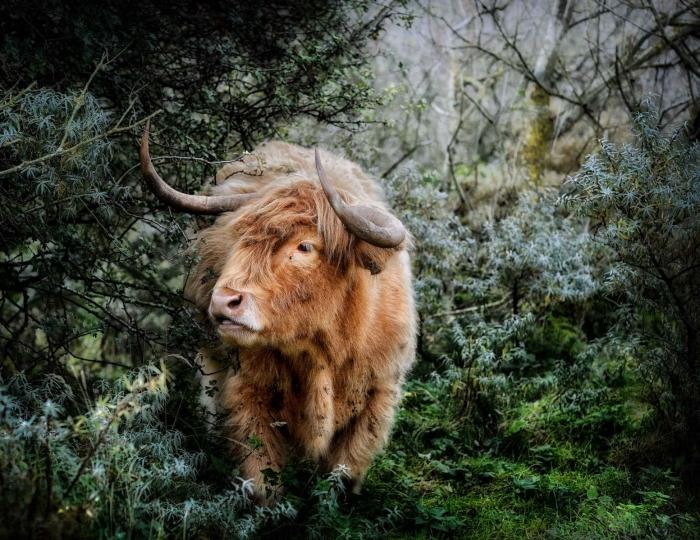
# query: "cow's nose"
[[225, 303]]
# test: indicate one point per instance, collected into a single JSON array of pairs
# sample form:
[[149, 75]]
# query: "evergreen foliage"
[[643, 200], [226, 73], [80, 269], [115, 469]]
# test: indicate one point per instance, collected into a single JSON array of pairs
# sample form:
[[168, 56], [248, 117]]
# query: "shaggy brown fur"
[[322, 375]]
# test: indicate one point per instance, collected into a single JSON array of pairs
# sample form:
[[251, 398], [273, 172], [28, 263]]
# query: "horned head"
[[367, 223]]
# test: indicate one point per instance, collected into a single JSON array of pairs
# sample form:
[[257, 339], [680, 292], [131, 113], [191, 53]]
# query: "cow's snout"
[[226, 304]]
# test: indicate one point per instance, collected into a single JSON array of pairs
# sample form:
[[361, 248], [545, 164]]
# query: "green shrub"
[[109, 468], [643, 200]]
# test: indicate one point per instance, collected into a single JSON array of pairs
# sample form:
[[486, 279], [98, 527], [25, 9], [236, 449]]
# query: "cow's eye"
[[306, 247]]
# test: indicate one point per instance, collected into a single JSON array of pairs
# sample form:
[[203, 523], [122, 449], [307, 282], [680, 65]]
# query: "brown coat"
[[328, 321]]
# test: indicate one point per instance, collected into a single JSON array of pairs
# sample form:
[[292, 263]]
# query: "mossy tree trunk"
[[540, 131]]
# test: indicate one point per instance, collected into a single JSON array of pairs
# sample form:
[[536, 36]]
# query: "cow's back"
[[275, 163]]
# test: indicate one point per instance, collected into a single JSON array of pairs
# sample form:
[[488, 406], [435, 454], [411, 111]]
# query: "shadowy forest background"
[[544, 155]]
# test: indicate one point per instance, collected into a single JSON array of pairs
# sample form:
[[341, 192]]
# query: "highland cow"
[[306, 273]]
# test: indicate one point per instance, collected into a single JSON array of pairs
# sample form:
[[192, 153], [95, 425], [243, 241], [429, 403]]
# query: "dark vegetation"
[[557, 390]]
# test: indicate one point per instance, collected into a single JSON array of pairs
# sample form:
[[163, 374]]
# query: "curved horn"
[[371, 224], [194, 204]]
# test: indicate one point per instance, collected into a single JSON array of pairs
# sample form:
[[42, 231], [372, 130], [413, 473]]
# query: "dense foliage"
[[644, 200], [226, 73], [556, 389]]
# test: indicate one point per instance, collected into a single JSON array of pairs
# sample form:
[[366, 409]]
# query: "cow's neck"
[[347, 334]]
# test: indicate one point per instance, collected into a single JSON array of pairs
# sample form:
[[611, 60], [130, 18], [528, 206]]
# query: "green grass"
[[553, 482], [547, 465]]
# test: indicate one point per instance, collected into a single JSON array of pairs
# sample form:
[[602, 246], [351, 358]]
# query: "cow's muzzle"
[[231, 310]]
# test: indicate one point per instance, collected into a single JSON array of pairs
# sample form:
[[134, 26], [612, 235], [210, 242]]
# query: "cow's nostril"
[[225, 303]]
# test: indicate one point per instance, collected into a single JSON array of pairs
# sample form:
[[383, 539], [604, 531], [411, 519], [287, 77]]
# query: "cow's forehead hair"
[[283, 212], [277, 213]]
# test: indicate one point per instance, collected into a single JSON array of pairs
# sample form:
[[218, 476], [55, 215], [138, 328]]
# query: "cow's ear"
[[371, 257]]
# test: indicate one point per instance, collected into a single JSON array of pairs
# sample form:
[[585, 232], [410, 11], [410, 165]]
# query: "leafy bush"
[[444, 251], [488, 298], [111, 467], [643, 200], [77, 251], [538, 254], [226, 73]]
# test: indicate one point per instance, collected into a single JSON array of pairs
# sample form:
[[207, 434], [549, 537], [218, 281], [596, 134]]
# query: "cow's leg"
[[357, 444], [319, 414], [255, 440]]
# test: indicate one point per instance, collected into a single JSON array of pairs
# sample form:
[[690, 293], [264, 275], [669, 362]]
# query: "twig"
[[404, 157], [198, 159], [81, 99], [86, 460], [469, 309], [99, 361], [119, 407], [450, 155]]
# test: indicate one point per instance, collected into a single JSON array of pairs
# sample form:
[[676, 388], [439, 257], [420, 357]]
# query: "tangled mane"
[[262, 227]]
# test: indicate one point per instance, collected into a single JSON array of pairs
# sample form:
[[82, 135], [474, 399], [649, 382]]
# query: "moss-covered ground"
[[434, 482]]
